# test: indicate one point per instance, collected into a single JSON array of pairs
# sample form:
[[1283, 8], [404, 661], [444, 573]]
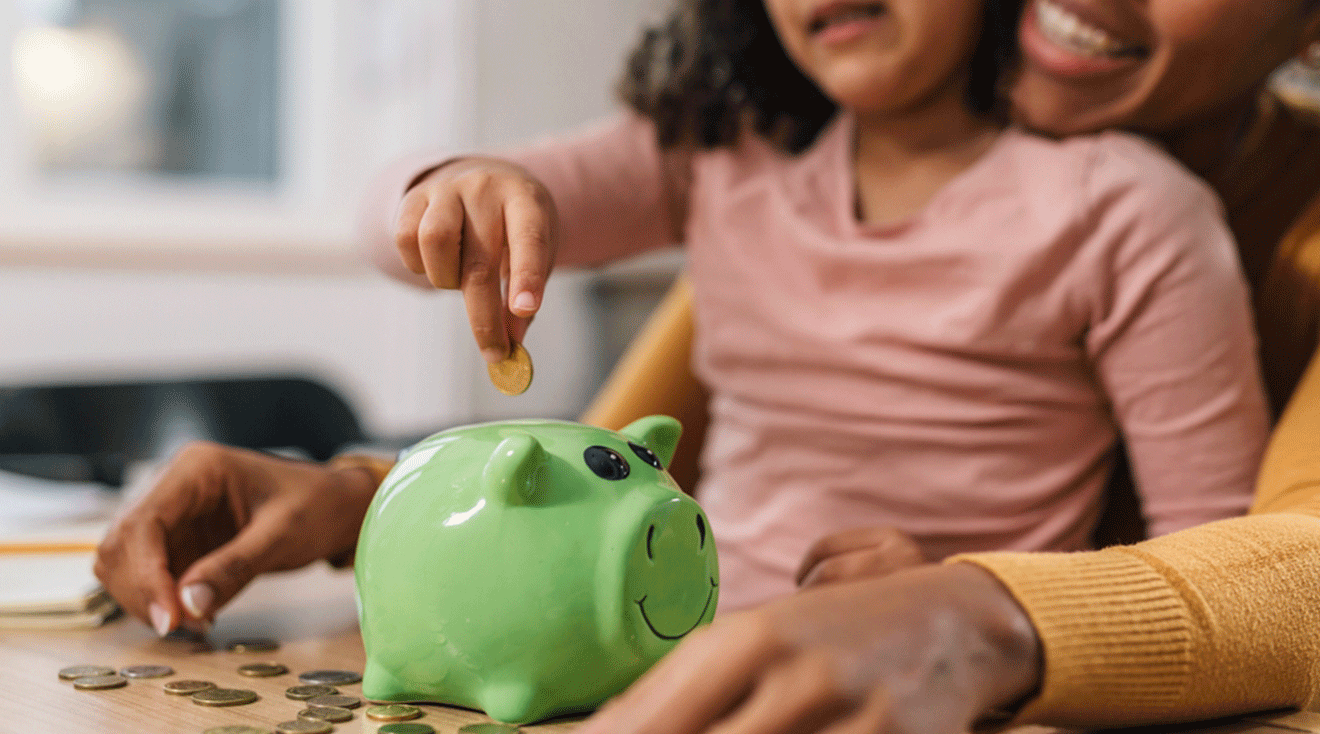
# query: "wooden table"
[[310, 612]]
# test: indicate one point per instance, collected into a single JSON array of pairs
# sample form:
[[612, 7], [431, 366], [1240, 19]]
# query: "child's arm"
[[1173, 341], [459, 223]]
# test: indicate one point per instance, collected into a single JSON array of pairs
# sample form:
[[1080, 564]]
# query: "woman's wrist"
[[1014, 665], [356, 478]]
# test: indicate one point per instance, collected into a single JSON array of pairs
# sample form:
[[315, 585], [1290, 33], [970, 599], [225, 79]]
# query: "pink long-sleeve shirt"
[[963, 375]]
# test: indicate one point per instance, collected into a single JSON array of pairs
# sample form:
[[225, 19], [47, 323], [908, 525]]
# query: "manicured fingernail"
[[197, 599], [494, 355], [160, 619], [524, 303]]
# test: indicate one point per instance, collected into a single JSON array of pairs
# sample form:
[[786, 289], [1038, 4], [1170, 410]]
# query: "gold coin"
[[99, 682], [489, 729], [305, 693], [236, 729], [406, 727], [262, 670], [393, 712], [303, 726], [345, 702], [224, 697], [187, 687], [326, 713], [513, 374], [146, 671], [330, 677], [252, 644], [84, 671]]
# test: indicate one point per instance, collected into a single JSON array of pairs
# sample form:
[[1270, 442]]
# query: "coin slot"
[[701, 532], [650, 534]]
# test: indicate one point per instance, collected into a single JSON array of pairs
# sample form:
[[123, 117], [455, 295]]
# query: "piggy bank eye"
[[606, 463], [646, 455]]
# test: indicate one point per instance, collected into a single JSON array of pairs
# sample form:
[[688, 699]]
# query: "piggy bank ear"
[[513, 471], [659, 433]]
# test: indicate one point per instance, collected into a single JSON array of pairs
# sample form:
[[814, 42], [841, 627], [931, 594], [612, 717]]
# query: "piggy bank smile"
[[672, 577]]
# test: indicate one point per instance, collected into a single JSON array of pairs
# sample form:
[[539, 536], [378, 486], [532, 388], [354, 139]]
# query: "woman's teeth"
[[1065, 29]]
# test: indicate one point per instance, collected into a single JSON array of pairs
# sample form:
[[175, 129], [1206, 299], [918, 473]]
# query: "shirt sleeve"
[[1173, 342], [611, 184]]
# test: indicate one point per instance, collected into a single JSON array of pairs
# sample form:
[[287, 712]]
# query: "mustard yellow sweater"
[[1215, 620]]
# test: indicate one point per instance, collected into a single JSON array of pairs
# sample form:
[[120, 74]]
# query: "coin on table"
[[224, 697], [393, 712], [335, 714], [489, 729], [262, 670], [406, 727], [99, 682], [252, 644], [306, 693], [236, 729], [331, 677], [345, 702], [304, 726], [513, 374], [146, 671], [84, 671], [187, 687]]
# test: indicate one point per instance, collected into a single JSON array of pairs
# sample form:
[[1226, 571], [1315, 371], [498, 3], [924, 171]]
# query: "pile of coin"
[[325, 705]]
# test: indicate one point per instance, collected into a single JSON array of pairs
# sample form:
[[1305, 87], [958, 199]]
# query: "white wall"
[[78, 308]]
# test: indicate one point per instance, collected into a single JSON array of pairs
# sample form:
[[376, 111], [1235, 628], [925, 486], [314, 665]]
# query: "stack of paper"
[[48, 536], [50, 590]]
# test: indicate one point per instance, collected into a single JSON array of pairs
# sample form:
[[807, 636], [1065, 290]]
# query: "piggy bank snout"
[[673, 583]]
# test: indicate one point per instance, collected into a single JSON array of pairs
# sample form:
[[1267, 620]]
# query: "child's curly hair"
[[715, 66]]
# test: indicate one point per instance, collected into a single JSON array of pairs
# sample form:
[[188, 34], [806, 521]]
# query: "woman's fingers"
[[670, 699], [798, 696], [260, 546], [132, 563]]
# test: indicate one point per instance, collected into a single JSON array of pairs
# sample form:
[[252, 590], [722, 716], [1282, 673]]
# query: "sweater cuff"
[[1116, 640]]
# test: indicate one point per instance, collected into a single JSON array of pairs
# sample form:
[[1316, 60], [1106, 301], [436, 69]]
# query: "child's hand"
[[472, 223], [856, 554]]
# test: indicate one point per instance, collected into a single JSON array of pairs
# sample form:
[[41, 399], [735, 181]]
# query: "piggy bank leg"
[[378, 684], [510, 703]]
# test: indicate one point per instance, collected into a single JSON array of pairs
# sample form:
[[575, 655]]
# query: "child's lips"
[[834, 17]]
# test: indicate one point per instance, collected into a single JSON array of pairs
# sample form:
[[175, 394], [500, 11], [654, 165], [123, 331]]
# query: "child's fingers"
[[483, 251], [527, 223], [406, 222], [440, 241]]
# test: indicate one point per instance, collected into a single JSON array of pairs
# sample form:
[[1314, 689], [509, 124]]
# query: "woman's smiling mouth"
[[1060, 41]]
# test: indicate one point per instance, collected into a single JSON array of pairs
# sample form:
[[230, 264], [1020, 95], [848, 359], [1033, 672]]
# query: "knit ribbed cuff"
[[1116, 639]]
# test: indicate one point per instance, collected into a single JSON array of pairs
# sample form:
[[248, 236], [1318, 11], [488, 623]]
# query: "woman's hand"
[[216, 518], [928, 650], [857, 554], [472, 223]]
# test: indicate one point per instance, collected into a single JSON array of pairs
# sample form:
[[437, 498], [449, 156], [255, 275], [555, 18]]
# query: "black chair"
[[93, 432]]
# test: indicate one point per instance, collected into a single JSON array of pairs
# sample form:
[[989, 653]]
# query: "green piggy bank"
[[530, 568]]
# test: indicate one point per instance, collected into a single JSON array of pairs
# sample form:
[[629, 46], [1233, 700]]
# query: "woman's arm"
[[1210, 621]]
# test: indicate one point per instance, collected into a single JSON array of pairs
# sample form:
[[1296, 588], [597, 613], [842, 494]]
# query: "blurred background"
[[181, 180]]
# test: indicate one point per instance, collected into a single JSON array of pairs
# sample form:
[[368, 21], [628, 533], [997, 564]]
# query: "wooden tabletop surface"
[[309, 612]]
